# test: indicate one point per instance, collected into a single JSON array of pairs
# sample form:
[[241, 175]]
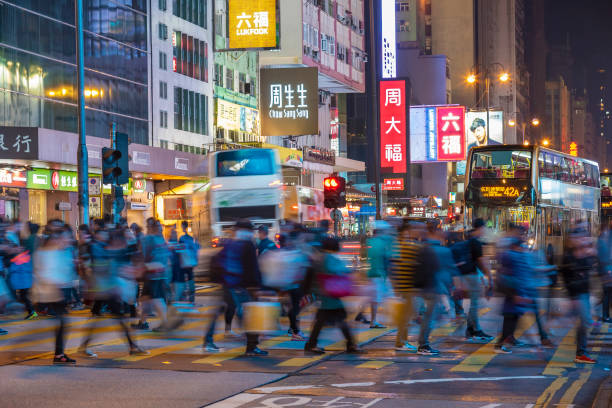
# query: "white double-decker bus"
[[244, 183]]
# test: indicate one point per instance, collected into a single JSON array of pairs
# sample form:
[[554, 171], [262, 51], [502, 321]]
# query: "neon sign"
[[499, 192]]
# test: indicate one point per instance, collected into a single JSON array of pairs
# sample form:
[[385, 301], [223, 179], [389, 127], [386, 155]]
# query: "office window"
[[162, 5], [190, 56], [204, 115], [163, 119], [203, 61], [162, 31], [190, 111], [163, 90], [178, 108], [229, 79], [163, 61], [163, 144], [194, 11], [218, 74]]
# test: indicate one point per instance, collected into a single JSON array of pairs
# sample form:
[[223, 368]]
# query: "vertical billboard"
[[252, 24], [388, 45], [393, 127], [476, 128], [451, 133], [289, 101]]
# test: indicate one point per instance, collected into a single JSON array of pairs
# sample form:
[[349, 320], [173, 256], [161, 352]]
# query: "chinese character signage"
[[393, 126], [388, 46], [39, 179], [573, 150], [396, 184], [18, 143], [451, 133], [499, 192], [13, 178], [289, 101], [319, 156], [252, 24]]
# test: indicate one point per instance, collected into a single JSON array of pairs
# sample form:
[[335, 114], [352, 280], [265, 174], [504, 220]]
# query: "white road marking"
[[268, 390], [235, 401], [491, 406], [363, 384], [440, 380]]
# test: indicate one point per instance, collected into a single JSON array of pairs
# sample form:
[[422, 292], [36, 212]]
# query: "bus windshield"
[[247, 162], [501, 164]]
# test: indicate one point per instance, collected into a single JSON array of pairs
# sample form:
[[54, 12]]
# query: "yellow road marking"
[[46, 329], [564, 355], [450, 327], [377, 365], [483, 356], [550, 392], [300, 361], [237, 351]]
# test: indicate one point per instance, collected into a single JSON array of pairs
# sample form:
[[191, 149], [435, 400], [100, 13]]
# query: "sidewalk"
[[603, 399]]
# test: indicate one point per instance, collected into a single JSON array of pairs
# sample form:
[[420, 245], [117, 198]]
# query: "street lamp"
[[488, 70], [534, 122], [545, 142]]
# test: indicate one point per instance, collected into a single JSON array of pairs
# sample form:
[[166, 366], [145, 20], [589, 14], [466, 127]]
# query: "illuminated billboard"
[[289, 101], [252, 24], [437, 133], [393, 127], [476, 128], [388, 45]]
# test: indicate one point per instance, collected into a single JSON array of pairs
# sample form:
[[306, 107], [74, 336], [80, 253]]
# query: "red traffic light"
[[331, 183]]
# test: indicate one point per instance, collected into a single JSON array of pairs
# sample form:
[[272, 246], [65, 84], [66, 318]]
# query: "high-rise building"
[[38, 66], [181, 74], [604, 120], [556, 126]]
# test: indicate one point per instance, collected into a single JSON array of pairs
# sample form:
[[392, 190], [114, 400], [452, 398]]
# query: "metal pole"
[[487, 83], [373, 58], [116, 213], [83, 165]]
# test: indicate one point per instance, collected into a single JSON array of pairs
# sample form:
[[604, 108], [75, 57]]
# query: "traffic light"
[[121, 144], [119, 201], [110, 167], [334, 192]]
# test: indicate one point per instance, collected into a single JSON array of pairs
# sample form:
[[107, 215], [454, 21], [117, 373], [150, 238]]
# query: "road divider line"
[[546, 397], [564, 355], [461, 379], [484, 354], [376, 365]]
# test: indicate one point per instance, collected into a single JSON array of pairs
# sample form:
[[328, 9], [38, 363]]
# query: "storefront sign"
[[39, 179], [63, 206], [139, 185], [289, 101], [319, 156], [231, 116], [452, 197], [288, 157], [451, 133], [573, 149], [393, 126], [396, 184], [18, 143], [139, 206], [499, 192], [175, 209], [13, 178], [252, 24]]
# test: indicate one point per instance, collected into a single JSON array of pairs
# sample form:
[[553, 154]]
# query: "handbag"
[[336, 286]]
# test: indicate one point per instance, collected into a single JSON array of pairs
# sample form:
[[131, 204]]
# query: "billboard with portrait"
[[289, 101], [476, 128]]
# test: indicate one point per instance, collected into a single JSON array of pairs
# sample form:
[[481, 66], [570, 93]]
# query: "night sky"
[[589, 23]]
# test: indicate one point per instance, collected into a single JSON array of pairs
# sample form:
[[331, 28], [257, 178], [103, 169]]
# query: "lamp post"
[[488, 70], [534, 122]]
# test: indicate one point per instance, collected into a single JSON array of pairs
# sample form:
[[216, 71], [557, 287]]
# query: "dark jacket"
[[575, 272], [265, 244], [240, 264]]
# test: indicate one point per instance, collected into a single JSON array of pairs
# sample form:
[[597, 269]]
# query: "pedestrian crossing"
[[32, 342]]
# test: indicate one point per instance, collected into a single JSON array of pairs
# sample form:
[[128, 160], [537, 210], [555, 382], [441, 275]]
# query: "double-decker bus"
[[304, 205], [606, 198], [244, 183], [541, 189]]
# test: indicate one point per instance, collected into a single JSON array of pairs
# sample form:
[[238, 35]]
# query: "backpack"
[[463, 256], [217, 266], [426, 267]]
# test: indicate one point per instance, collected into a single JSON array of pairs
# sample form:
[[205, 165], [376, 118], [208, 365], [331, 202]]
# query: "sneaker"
[[78, 306], [314, 350], [376, 325], [584, 359], [88, 353], [140, 326], [63, 359], [137, 351], [31, 316], [517, 343], [3, 332], [407, 347], [231, 334], [299, 336], [501, 349], [256, 352], [427, 351], [483, 336], [547, 343], [361, 318], [212, 348]]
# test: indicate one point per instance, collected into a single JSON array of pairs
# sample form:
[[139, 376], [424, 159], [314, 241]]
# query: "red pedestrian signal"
[[334, 192]]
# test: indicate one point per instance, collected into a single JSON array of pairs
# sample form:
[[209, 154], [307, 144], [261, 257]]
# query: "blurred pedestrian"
[[604, 254], [264, 243], [20, 269], [189, 260], [53, 272], [331, 283]]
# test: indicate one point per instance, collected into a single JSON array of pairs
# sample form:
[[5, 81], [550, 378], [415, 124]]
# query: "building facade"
[[558, 115], [181, 75]]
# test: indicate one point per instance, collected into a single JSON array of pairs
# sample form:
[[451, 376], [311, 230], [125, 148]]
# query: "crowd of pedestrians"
[[123, 271]]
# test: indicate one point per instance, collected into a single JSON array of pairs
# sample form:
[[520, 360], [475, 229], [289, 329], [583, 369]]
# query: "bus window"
[[557, 167], [499, 164], [542, 164]]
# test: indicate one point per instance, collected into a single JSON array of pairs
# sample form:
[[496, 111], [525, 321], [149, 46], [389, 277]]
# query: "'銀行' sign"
[[289, 101], [18, 143]]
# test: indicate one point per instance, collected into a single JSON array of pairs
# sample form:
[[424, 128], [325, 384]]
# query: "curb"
[[603, 398]]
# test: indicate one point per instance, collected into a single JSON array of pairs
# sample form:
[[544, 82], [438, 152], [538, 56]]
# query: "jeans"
[[582, 309], [474, 287], [115, 307], [510, 323], [431, 301], [295, 295], [23, 295], [538, 319], [605, 302], [405, 314], [178, 290], [235, 297], [330, 316]]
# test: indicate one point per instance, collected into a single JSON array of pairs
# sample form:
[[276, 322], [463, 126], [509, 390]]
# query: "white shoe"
[[407, 347], [88, 353]]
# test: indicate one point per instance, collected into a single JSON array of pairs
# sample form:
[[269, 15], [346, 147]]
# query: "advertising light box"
[[289, 101], [252, 24], [437, 133], [476, 128]]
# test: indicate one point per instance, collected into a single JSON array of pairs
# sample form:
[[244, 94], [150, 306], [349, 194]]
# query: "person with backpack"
[[189, 259], [331, 283], [472, 264], [20, 270], [237, 269]]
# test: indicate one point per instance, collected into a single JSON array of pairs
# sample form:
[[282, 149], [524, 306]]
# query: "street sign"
[[336, 215]]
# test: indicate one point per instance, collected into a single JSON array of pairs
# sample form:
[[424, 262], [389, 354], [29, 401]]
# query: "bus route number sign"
[[499, 192]]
